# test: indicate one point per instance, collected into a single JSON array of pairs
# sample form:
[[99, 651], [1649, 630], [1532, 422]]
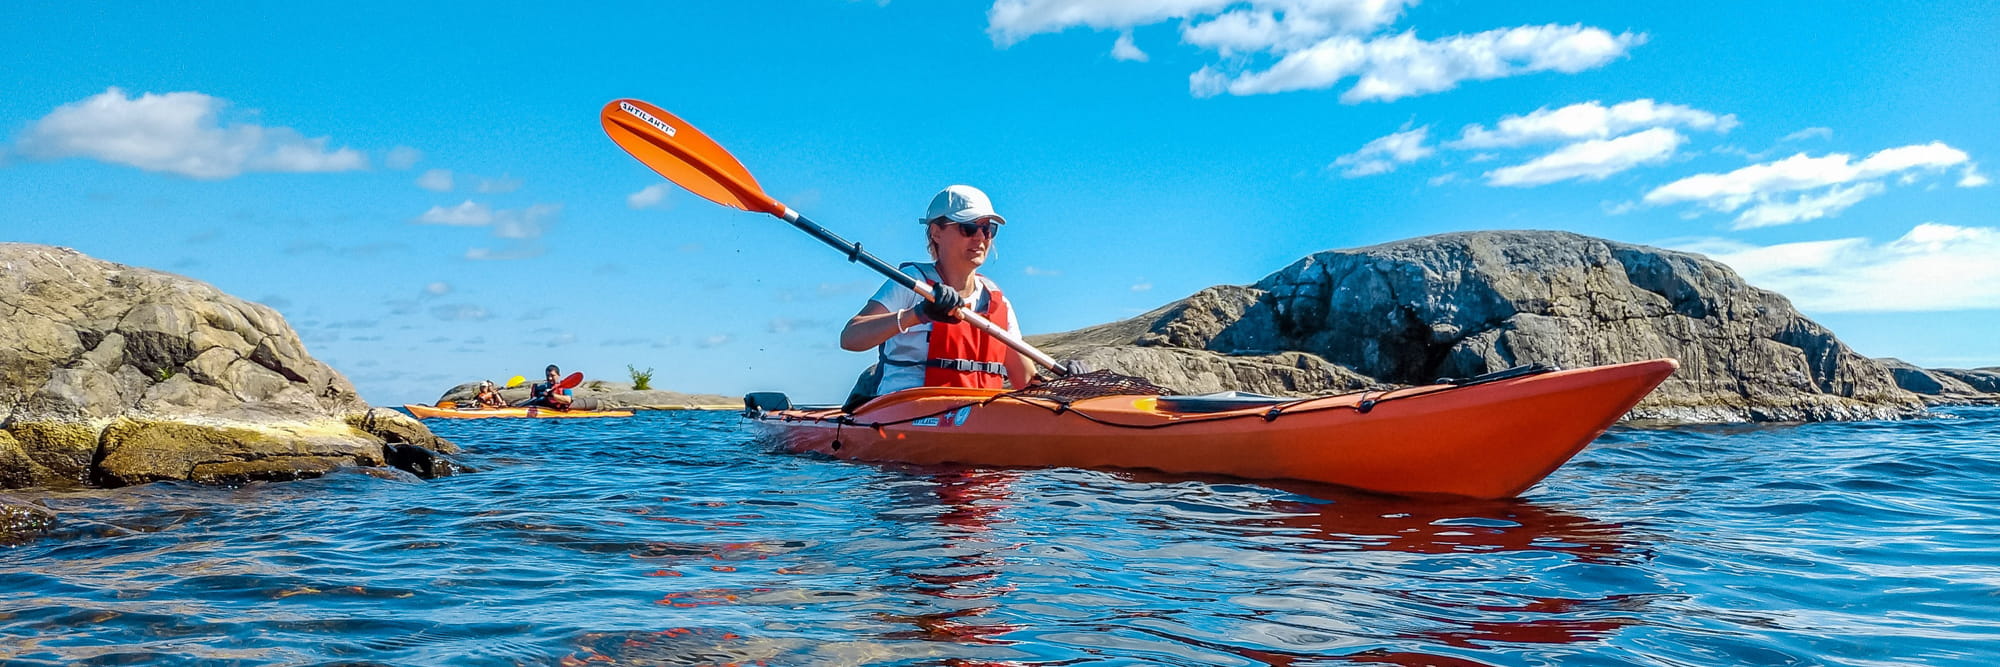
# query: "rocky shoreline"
[[1463, 304], [608, 395], [112, 375], [1948, 386]]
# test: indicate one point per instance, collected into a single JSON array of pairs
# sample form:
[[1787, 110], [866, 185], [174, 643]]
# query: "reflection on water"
[[675, 539]]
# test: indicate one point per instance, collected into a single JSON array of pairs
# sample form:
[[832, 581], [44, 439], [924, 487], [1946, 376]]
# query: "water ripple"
[[678, 539]]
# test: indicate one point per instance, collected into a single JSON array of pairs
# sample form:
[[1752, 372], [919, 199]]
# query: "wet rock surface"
[[21, 521]]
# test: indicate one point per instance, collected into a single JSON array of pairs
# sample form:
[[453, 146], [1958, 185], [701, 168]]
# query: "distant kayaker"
[[546, 393], [489, 395], [920, 343]]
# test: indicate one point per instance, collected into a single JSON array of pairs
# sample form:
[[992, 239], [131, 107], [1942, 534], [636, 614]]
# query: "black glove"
[[938, 309], [1063, 369]]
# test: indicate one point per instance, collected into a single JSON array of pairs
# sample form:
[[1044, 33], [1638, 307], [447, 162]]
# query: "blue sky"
[[424, 191]]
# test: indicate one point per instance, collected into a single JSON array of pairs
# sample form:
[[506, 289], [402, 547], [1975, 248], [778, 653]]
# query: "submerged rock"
[[21, 521], [116, 374], [1464, 304]]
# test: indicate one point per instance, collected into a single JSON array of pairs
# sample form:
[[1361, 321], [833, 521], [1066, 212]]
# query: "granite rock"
[[1464, 304]]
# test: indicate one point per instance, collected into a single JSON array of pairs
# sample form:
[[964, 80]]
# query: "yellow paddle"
[[515, 381]]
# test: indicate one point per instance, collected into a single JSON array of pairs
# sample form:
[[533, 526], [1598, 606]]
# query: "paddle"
[[569, 382], [691, 160], [515, 381]]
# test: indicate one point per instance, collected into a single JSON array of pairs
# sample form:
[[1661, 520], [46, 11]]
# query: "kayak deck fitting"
[[1488, 437]]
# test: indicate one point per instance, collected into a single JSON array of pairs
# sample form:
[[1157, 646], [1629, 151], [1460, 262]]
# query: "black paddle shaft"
[[856, 254], [853, 251]]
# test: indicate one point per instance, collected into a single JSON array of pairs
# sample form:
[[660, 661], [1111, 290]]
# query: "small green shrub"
[[163, 374], [641, 380]]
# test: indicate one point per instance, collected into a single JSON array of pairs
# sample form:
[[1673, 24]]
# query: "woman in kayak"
[[920, 343], [546, 393], [489, 396]]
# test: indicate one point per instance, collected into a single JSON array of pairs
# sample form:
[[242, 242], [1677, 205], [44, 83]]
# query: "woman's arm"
[[874, 325], [1020, 371]]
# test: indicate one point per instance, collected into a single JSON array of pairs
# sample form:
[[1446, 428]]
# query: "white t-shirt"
[[914, 345]]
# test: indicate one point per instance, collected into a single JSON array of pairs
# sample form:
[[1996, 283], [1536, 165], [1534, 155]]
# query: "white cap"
[[961, 203]]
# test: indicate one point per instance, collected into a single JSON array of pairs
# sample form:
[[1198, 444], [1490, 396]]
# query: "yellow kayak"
[[428, 412]]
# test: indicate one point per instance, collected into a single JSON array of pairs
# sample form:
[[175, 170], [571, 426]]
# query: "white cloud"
[[1830, 201], [179, 133], [438, 289], [1010, 21], [403, 157], [1261, 24], [1384, 153], [459, 312], [435, 180], [1125, 50], [1318, 43], [520, 224], [468, 214], [1933, 267], [649, 197], [1288, 26], [1037, 271], [1399, 66], [717, 340], [1589, 120], [528, 223], [1764, 188], [522, 251], [1972, 178], [1809, 133], [1592, 160], [500, 185], [1142, 286]]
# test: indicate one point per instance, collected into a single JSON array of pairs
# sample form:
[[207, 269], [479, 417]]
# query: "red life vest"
[[963, 356]]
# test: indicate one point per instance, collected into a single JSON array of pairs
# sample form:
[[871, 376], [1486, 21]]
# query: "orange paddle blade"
[[684, 155]]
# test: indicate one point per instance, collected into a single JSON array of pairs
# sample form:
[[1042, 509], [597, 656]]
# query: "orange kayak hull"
[[1487, 440], [429, 412]]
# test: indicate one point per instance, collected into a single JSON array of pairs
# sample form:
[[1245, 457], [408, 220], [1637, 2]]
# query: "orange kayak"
[[428, 412], [1490, 437]]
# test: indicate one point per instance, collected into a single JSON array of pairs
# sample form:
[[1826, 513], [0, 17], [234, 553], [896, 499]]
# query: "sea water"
[[678, 538]]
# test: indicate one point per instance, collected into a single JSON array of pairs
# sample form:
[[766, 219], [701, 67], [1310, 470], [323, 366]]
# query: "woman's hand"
[[944, 300]]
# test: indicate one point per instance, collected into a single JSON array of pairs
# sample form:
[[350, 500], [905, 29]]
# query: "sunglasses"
[[967, 229]]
